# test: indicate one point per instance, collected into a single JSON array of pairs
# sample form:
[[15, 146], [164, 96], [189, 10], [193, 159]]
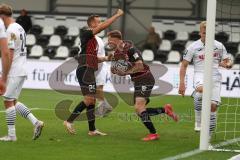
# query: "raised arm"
[[107, 22]]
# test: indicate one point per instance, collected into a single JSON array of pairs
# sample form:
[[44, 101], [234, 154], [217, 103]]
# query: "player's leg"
[[213, 117], [10, 119], [87, 83], [9, 97], [145, 118], [87, 103], [216, 100], [80, 72], [90, 101], [166, 109], [197, 108], [100, 97], [26, 113], [197, 96], [148, 83], [142, 92], [103, 107], [76, 112]]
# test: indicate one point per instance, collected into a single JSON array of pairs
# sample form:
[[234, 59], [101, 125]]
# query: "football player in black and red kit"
[[142, 79], [88, 64]]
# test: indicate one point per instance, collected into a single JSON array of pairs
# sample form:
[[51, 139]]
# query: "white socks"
[[26, 113], [213, 119], [10, 119]]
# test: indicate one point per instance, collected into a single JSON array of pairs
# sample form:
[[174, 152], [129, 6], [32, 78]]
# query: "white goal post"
[[207, 82]]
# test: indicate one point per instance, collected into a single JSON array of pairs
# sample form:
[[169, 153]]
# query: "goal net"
[[227, 132]]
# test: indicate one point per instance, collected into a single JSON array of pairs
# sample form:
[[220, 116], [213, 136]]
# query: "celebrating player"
[[143, 81], [16, 77], [88, 64], [196, 52]]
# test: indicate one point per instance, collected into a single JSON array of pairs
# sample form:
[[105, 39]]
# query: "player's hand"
[[110, 57], [229, 65], [119, 73], [2, 86], [113, 70], [181, 89], [119, 12]]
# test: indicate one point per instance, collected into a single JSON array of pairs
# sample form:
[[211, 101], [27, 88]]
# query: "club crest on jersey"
[[13, 37]]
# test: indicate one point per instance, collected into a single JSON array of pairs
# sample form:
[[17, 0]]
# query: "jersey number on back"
[[23, 39]]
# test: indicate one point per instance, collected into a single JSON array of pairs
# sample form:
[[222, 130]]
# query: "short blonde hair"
[[6, 10], [203, 24]]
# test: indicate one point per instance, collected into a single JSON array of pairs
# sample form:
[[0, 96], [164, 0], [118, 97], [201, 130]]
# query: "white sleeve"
[[11, 39], [225, 55], [2, 30], [101, 49], [188, 54]]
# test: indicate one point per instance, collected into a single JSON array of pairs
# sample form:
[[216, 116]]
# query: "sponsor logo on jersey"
[[202, 56]]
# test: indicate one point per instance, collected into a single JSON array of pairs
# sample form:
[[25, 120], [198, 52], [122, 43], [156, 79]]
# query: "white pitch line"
[[197, 151], [184, 155]]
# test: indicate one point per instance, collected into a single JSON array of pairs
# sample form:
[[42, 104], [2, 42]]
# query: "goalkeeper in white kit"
[[142, 78], [196, 53]]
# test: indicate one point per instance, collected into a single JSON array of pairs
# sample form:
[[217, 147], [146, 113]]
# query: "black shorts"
[[86, 80], [143, 86]]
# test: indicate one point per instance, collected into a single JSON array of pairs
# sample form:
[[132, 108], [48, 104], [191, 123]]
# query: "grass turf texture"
[[124, 134]]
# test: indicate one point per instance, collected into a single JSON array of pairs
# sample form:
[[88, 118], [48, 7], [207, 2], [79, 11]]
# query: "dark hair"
[[91, 18], [6, 10], [115, 34]]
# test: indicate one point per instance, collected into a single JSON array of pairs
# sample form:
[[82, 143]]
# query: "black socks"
[[79, 108], [147, 122]]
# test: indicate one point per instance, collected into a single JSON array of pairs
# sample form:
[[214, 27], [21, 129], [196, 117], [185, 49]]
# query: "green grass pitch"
[[124, 133]]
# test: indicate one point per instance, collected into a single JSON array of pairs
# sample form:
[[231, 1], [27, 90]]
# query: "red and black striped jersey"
[[88, 49], [131, 54]]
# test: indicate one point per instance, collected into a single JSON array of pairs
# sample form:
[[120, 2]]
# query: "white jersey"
[[101, 49], [17, 42], [2, 30], [102, 71], [196, 52]]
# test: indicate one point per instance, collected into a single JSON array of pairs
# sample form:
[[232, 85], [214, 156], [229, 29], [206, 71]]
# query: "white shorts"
[[216, 90], [14, 87], [101, 75]]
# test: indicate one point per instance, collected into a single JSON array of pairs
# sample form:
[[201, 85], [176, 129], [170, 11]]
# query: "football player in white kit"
[[16, 77], [196, 52], [5, 57], [103, 106]]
